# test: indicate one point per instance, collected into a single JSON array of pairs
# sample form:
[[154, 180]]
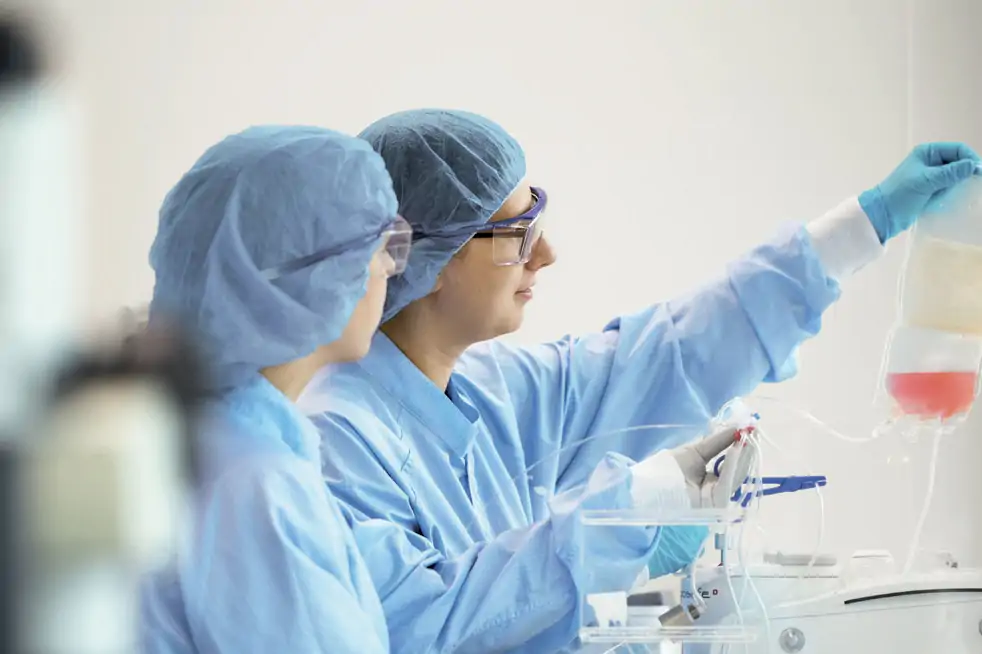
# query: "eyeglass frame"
[[398, 226], [487, 229]]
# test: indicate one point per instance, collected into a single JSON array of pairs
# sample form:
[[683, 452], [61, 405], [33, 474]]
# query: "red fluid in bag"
[[933, 394]]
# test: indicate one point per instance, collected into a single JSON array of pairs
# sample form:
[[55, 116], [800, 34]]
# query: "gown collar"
[[451, 415]]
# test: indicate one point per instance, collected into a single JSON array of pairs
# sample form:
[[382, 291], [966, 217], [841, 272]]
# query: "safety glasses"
[[397, 241], [513, 240]]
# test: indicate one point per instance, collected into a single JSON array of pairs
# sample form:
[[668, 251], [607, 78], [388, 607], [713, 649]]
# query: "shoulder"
[[270, 505], [500, 367], [265, 481], [354, 416], [345, 390]]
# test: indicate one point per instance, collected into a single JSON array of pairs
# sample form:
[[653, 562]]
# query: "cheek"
[[507, 279], [495, 295], [472, 283], [375, 294], [368, 311], [483, 285]]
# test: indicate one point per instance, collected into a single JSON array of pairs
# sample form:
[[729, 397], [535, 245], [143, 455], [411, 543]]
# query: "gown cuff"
[[844, 240]]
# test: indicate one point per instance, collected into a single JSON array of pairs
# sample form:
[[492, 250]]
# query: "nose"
[[543, 254]]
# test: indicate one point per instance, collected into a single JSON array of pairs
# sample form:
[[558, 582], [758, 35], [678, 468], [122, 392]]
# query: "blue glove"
[[931, 169], [677, 547]]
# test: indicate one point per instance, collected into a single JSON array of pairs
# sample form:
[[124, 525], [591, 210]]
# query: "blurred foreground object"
[[40, 220], [103, 481], [96, 450]]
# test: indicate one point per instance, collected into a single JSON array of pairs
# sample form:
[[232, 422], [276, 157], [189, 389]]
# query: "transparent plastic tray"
[[614, 626], [721, 634], [662, 517]]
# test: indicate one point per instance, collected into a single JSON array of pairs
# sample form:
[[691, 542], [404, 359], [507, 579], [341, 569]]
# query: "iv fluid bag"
[[943, 286], [932, 374], [936, 350]]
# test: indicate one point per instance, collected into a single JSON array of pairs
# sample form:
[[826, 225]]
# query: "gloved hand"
[[706, 490], [928, 171], [679, 545]]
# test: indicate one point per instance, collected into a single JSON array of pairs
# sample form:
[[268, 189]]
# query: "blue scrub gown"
[[479, 486], [270, 564]]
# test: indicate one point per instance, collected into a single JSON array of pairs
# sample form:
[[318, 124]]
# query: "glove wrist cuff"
[[874, 206], [658, 482]]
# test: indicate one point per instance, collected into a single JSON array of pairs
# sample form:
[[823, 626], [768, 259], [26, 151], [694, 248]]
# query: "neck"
[[417, 332], [292, 377]]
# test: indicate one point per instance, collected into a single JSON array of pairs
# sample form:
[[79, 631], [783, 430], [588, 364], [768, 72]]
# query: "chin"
[[354, 352], [509, 325], [361, 351], [495, 324]]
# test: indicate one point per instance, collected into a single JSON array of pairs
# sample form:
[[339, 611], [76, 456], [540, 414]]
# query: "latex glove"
[[929, 170], [706, 490], [686, 480], [678, 479]]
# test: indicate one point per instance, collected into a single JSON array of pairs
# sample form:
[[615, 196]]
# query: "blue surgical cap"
[[450, 170], [258, 200]]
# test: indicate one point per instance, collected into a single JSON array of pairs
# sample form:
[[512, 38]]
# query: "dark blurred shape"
[[20, 52], [20, 64], [159, 352], [11, 553], [647, 599]]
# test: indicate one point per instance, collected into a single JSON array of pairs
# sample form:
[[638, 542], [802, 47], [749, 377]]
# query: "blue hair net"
[[450, 169], [258, 200]]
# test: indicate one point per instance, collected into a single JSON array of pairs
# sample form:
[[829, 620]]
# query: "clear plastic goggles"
[[398, 243], [514, 239], [398, 240]]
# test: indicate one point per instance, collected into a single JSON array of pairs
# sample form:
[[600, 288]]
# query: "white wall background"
[[672, 136]]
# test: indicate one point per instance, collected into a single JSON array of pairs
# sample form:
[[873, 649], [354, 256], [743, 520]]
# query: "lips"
[[527, 286]]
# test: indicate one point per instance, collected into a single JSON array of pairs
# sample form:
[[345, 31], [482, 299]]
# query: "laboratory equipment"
[[935, 352], [779, 485], [94, 448], [819, 605], [607, 619], [102, 480], [24, 119], [813, 602], [933, 374]]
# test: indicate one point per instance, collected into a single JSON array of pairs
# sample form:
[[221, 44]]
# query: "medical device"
[[932, 372], [787, 602], [815, 603], [607, 618], [820, 605]]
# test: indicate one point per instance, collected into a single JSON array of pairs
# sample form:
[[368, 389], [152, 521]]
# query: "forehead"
[[517, 203]]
